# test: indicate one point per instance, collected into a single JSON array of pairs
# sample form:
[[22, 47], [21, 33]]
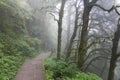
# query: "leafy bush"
[[9, 66], [24, 48], [83, 76], [60, 70], [14, 47], [33, 42], [12, 54]]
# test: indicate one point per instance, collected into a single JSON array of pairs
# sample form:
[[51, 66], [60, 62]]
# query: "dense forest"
[[70, 39], [21, 36]]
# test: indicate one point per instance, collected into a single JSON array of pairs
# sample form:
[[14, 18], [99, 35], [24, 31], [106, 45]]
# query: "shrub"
[[12, 54], [33, 42], [60, 70], [24, 48], [9, 66], [83, 76]]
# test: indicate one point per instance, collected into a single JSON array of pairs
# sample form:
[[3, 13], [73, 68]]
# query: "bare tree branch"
[[94, 59], [97, 5], [108, 10], [53, 16], [118, 54], [117, 10], [94, 1]]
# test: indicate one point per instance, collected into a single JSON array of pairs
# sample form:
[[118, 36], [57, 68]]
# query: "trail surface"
[[32, 69]]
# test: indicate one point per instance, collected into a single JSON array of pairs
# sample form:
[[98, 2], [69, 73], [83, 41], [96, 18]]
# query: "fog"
[[81, 33], [46, 16]]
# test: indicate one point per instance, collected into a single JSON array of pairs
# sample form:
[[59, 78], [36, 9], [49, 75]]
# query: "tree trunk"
[[114, 54], [68, 53], [68, 28], [84, 32], [61, 14]]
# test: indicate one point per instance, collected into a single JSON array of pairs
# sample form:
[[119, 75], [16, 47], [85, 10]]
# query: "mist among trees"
[[81, 37]]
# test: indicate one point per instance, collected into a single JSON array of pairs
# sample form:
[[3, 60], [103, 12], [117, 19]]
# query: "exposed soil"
[[32, 69]]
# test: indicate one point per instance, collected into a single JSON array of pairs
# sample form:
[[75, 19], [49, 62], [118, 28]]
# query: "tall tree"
[[68, 53], [114, 55], [115, 42], [60, 22], [68, 31], [84, 32]]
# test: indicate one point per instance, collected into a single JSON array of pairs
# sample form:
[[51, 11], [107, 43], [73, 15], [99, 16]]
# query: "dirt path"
[[32, 69]]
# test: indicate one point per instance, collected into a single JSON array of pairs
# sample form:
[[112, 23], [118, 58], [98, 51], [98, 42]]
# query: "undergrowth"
[[13, 52], [60, 70], [9, 66]]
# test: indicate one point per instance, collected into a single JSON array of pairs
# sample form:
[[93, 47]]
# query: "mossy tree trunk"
[[114, 55], [60, 22], [84, 33]]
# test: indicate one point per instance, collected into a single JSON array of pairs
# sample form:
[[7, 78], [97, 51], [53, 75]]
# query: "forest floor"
[[32, 69]]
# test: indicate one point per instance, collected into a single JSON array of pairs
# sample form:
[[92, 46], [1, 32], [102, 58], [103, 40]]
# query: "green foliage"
[[60, 70], [25, 46], [12, 53], [15, 43], [83, 76], [28, 46], [33, 42], [14, 14], [9, 66]]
